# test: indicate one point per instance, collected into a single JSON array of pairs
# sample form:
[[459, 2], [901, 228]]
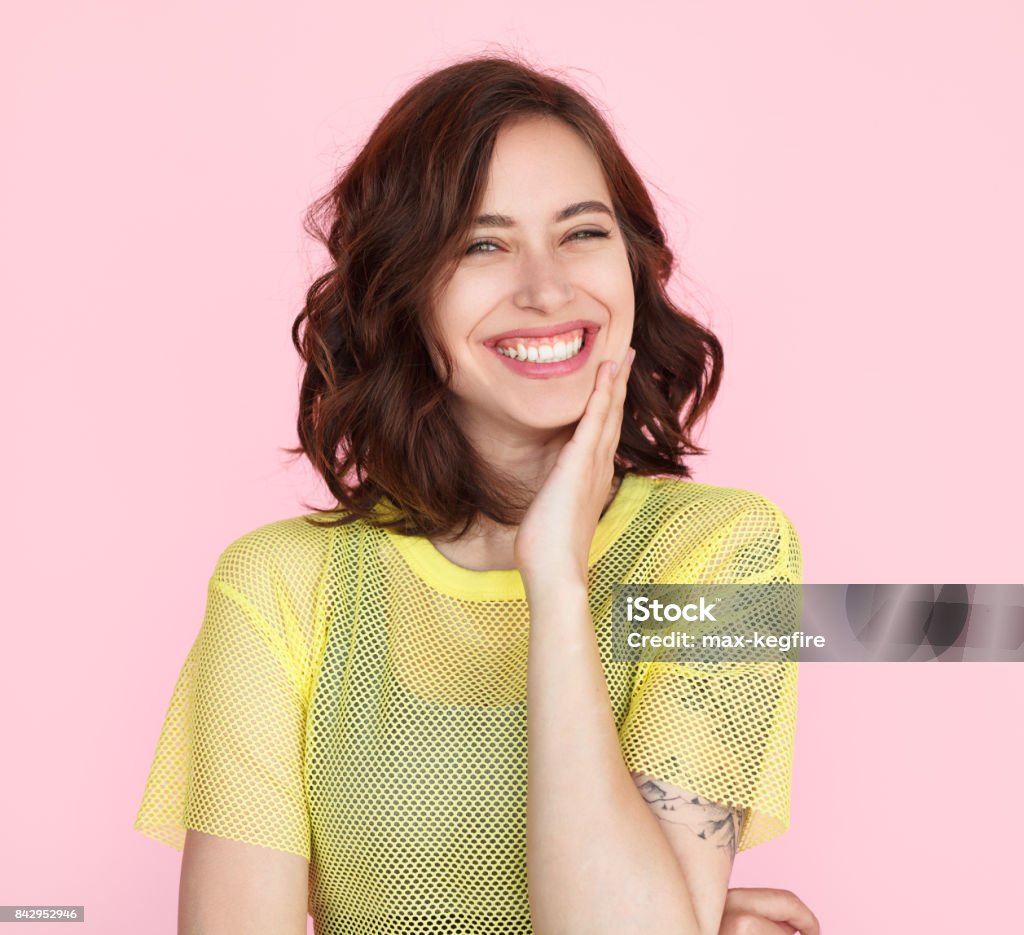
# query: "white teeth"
[[543, 353]]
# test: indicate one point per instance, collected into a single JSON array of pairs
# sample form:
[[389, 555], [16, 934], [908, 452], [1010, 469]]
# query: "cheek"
[[621, 305], [463, 307], [613, 281]]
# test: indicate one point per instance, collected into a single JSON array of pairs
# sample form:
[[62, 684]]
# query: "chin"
[[551, 417]]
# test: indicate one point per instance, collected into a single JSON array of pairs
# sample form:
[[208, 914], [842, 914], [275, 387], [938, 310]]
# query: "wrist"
[[555, 585]]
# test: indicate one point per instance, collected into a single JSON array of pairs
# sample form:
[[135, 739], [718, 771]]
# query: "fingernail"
[[615, 368]]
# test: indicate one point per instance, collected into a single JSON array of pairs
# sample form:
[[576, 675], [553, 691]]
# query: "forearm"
[[597, 861]]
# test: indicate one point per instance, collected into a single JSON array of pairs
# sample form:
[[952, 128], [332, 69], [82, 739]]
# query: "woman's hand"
[[758, 911], [554, 538]]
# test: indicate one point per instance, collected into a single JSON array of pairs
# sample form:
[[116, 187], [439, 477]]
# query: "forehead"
[[538, 161]]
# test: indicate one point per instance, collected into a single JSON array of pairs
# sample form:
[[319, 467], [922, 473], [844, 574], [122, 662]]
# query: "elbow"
[[610, 870], [644, 900], [668, 922]]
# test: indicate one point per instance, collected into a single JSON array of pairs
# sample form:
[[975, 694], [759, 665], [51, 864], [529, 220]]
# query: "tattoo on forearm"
[[715, 823]]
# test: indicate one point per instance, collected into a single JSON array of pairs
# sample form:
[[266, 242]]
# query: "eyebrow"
[[569, 211]]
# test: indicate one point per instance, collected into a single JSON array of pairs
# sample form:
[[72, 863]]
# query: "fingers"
[[749, 923], [612, 428], [775, 905], [603, 406]]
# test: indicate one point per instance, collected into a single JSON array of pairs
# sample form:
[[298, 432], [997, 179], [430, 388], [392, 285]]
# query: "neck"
[[488, 546], [528, 457]]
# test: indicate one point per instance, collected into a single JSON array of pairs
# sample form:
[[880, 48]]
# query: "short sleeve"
[[230, 756], [725, 731]]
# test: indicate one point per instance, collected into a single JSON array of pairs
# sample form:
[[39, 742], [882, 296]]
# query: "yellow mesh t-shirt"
[[358, 699]]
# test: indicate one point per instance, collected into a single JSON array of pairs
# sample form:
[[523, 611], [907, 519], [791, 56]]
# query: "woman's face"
[[536, 282]]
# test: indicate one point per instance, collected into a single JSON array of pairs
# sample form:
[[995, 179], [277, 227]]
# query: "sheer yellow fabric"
[[354, 697]]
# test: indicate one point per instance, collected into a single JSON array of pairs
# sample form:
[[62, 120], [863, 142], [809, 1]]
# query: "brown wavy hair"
[[375, 417]]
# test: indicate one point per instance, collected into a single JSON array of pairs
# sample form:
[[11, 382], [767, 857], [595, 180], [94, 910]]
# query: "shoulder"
[[292, 552], [278, 574], [706, 506], [693, 521]]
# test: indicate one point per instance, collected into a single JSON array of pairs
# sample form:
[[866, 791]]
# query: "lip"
[[590, 327], [538, 371]]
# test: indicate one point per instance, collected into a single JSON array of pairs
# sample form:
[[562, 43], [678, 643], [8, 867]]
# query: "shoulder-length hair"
[[375, 417]]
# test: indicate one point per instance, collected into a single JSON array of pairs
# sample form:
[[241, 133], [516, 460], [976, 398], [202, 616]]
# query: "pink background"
[[842, 185]]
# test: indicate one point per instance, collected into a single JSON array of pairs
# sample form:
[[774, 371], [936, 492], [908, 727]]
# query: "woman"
[[494, 380]]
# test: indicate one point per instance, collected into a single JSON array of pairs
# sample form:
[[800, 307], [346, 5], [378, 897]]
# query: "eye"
[[582, 235], [592, 233], [480, 243]]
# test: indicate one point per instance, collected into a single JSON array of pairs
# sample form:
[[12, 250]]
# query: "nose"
[[542, 283]]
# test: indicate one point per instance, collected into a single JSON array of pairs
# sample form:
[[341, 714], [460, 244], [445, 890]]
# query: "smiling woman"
[[414, 690], [508, 317]]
